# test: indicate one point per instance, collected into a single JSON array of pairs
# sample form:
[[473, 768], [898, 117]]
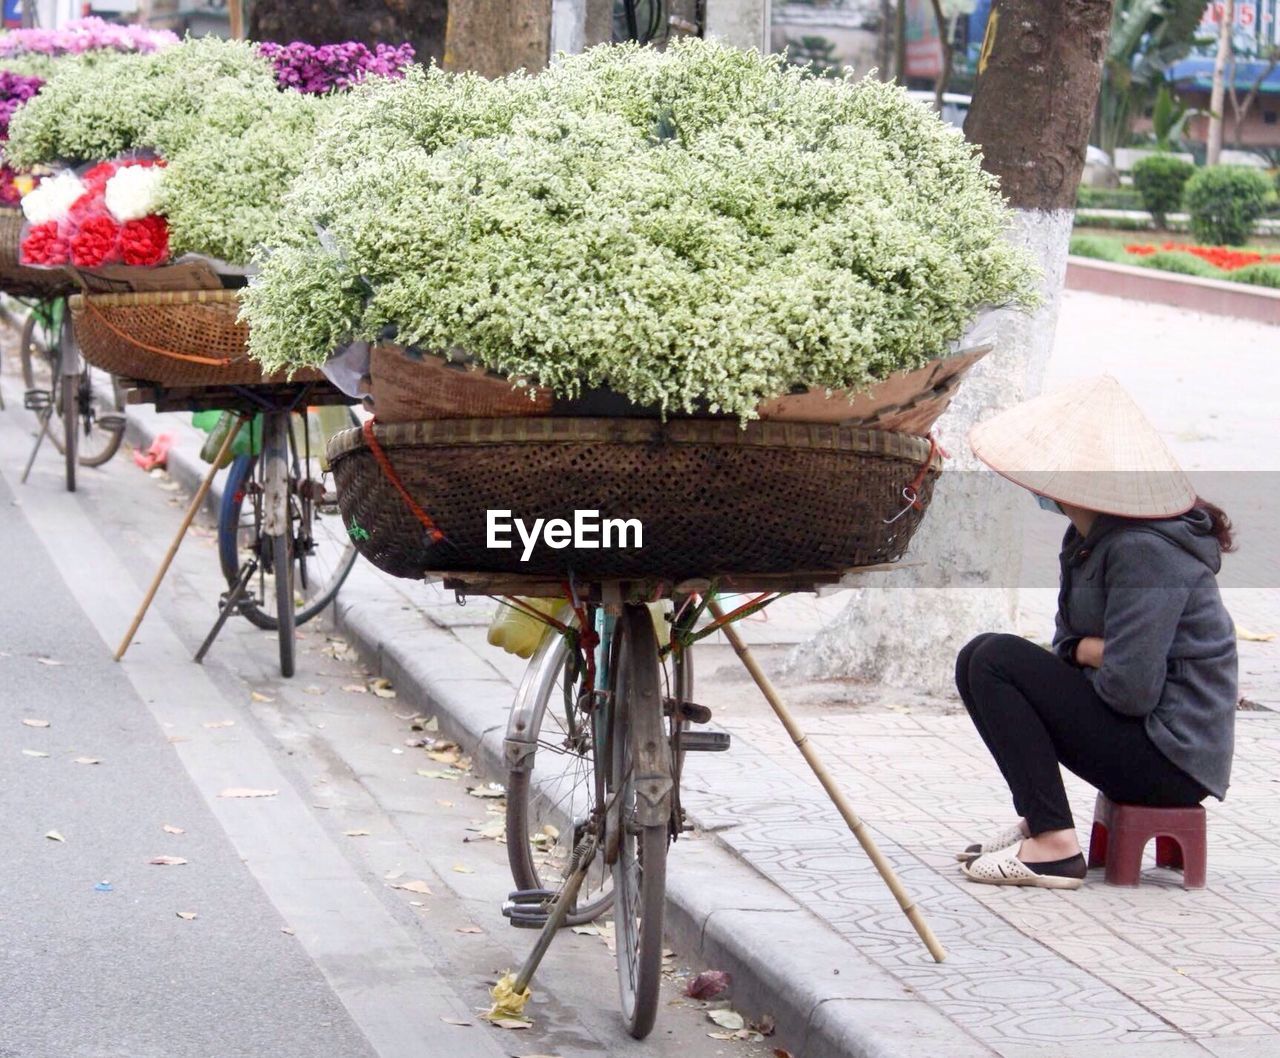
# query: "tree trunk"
[[1213, 147], [1038, 78], [944, 41], [496, 37], [884, 41], [421, 23]]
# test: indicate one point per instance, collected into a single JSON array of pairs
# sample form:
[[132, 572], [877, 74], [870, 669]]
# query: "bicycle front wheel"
[[637, 844]]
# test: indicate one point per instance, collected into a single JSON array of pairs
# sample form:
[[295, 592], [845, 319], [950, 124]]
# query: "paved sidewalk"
[[1030, 974]]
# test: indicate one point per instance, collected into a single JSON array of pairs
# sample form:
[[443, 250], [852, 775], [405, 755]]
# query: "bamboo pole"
[[187, 519], [801, 740]]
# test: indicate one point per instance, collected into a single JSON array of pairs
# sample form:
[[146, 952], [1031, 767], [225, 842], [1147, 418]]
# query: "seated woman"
[[1138, 695]]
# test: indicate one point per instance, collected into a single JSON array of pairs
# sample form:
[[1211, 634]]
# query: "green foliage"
[[700, 226], [232, 140], [1261, 275], [1176, 261], [1224, 202], [1094, 220], [1108, 198], [1169, 117], [1099, 248], [1160, 179]]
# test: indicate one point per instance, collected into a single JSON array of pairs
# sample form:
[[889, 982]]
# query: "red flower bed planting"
[[1225, 257]]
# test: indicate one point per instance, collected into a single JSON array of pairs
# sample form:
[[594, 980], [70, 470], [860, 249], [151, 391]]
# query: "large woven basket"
[[18, 280], [411, 389], [172, 338], [713, 498]]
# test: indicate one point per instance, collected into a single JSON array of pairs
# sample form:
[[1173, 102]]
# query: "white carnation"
[[134, 192], [52, 198]]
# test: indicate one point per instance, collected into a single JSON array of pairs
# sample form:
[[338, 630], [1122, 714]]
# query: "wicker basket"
[[410, 389], [173, 338], [775, 498], [17, 279]]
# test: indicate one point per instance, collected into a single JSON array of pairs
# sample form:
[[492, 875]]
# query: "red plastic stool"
[[1121, 832]]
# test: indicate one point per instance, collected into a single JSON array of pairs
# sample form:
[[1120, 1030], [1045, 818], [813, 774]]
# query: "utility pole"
[[1217, 101]]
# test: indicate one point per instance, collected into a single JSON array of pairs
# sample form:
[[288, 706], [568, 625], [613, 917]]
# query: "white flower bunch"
[[52, 197], [134, 192]]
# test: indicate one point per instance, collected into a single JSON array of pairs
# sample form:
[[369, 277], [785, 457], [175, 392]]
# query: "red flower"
[[95, 179], [145, 241], [96, 243], [1139, 249], [44, 247]]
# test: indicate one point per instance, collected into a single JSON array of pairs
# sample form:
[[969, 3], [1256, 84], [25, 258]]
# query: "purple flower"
[[317, 69], [14, 91], [84, 34]]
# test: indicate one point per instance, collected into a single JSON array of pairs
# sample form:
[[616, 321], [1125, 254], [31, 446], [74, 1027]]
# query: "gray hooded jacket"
[[1149, 589]]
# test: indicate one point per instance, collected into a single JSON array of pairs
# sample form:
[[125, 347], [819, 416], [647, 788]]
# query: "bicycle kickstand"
[[230, 603], [584, 854], [46, 414]]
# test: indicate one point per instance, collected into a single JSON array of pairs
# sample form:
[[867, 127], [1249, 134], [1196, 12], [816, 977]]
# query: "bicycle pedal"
[[704, 741], [689, 711], [37, 399]]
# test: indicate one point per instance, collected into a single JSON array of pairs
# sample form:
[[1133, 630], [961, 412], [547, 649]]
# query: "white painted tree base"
[[903, 628]]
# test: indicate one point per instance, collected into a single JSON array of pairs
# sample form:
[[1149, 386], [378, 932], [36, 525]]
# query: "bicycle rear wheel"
[[551, 785], [322, 554], [637, 734]]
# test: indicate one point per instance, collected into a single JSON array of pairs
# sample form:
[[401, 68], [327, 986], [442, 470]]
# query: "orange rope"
[[189, 357], [918, 480], [391, 475]]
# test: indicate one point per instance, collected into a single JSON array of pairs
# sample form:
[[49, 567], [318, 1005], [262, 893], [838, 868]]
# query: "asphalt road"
[[300, 945]]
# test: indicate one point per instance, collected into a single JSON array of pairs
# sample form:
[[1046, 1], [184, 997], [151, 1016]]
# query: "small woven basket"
[[413, 388], [713, 498], [17, 279], [172, 338]]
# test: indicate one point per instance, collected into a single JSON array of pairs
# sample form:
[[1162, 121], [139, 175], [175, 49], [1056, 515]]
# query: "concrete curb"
[[828, 1001], [1217, 296]]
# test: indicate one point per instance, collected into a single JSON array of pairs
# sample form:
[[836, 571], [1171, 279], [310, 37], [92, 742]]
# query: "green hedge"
[[1099, 248], [1259, 275], [1177, 261], [1108, 198], [1225, 202], [1160, 180]]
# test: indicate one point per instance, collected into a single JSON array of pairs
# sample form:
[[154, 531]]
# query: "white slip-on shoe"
[[1011, 835], [1004, 868]]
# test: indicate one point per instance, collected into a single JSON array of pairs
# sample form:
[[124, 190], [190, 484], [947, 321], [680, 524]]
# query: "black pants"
[[1034, 711]]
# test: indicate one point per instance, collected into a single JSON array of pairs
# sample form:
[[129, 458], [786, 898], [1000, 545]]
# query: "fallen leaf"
[[494, 830], [87, 760], [492, 789], [418, 886], [427, 773], [167, 861], [356, 833], [456, 1021], [728, 1019], [287, 930], [461, 868], [187, 916], [779, 1052], [244, 791], [721, 1035], [586, 931], [53, 835], [179, 738], [511, 1023], [444, 756], [417, 903], [220, 723], [442, 804], [708, 984], [381, 686], [313, 690], [48, 661], [355, 688], [766, 1026], [34, 753], [409, 716], [30, 722], [468, 929], [170, 829], [391, 876], [1254, 637], [259, 697]]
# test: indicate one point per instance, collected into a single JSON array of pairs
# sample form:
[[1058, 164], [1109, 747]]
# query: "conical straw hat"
[[1088, 445]]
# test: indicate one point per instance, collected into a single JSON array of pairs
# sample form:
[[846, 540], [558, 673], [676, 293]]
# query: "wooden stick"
[[837, 796], [187, 519]]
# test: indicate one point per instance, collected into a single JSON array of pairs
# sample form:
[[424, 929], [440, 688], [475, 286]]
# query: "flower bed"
[[39, 52], [695, 228], [1257, 267]]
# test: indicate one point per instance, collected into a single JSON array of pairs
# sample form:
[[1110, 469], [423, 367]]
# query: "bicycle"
[[590, 831], [87, 403], [281, 544]]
